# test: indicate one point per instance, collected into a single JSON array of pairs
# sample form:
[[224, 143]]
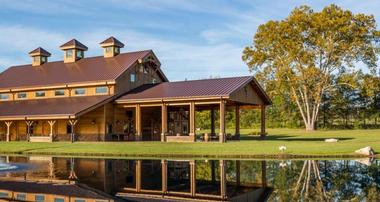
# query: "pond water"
[[42, 178]]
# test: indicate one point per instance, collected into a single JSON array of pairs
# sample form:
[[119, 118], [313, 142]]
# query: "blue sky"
[[193, 39]]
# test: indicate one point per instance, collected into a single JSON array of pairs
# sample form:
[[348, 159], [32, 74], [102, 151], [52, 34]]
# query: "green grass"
[[298, 142]]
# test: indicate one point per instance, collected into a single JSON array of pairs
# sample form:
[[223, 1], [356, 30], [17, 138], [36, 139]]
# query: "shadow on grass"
[[287, 138]]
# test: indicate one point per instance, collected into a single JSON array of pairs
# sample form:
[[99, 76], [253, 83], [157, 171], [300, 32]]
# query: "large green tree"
[[301, 53]]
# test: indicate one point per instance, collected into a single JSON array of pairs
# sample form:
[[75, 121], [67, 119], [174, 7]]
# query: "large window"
[[21, 95], [101, 90], [133, 77], [80, 91], [40, 94], [4, 96], [109, 49], [69, 53], [59, 92], [59, 200], [79, 54], [21, 197]]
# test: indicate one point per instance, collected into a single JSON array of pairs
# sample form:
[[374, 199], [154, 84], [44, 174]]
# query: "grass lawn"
[[298, 142]]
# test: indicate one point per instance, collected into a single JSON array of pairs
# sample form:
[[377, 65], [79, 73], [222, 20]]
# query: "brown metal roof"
[[92, 69], [191, 89], [57, 107], [73, 43], [111, 41], [39, 51]]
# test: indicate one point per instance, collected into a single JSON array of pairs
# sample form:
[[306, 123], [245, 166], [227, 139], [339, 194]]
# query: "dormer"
[[73, 51], [111, 47], [39, 56]]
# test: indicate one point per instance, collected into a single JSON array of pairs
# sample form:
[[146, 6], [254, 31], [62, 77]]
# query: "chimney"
[[73, 51], [39, 56], [111, 47]]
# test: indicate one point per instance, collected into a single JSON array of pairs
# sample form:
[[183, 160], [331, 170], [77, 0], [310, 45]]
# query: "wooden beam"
[[164, 168], [237, 122], [72, 123], [138, 136], [51, 123], [138, 175], [193, 183], [222, 131], [223, 183], [8, 124], [262, 131], [29, 125], [164, 122], [192, 121]]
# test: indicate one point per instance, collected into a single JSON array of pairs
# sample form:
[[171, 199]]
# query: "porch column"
[[51, 123], [222, 132], [223, 183], [164, 122], [262, 132], [8, 123], [138, 123], [237, 122], [193, 183], [138, 175], [28, 125], [72, 123], [192, 133], [263, 173], [164, 168], [238, 173], [212, 116]]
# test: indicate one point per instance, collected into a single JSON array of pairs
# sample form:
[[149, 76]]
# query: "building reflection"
[[196, 179]]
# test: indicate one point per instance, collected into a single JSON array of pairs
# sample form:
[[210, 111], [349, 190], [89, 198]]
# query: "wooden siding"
[[247, 95]]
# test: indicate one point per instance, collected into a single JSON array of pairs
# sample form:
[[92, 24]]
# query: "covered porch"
[[170, 108]]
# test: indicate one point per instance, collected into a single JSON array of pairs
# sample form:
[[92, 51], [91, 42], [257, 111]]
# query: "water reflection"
[[83, 179]]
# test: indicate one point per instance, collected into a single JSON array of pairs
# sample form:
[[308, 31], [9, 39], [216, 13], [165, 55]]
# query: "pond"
[[45, 178]]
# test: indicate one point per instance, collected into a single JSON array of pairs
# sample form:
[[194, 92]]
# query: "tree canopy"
[[301, 56]]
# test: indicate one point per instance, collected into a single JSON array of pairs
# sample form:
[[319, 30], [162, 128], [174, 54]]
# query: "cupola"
[[39, 56], [73, 51], [111, 47]]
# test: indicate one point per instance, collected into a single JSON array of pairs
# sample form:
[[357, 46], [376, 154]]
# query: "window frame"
[[101, 87], [58, 90], [79, 89], [69, 53], [4, 96], [42, 94], [22, 93], [39, 195], [132, 77]]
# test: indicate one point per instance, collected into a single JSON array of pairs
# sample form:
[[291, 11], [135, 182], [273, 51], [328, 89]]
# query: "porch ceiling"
[[57, 108]]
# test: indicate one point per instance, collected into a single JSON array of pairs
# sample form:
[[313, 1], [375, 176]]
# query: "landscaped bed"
[[298, 143]]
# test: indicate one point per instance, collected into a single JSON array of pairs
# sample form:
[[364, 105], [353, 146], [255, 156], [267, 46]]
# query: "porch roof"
[[195, 89], [56, 108]]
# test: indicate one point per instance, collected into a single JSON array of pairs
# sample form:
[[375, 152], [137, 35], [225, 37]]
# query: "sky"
[[192, 39]]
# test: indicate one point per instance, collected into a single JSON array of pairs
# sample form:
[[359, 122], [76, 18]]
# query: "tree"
[[302, 53]]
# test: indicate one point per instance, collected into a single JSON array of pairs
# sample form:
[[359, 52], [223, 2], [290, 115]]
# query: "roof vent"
[[111, 47], [73, 51], [39, 56]]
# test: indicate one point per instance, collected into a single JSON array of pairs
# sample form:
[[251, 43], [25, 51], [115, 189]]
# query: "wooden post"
[[222, 132], [164, 168], [28, 125], [223, 183], [193, 183], [8, 123], [237, 122], [72, 175], [72, 123], [238, 173], [164, 122], [138, 175], [51, 123], [192, 121], [51, 169], [262, 132], [138, 123], [212, 116], [264, 173]]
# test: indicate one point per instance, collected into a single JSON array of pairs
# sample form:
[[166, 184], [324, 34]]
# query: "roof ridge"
[[207, 79]]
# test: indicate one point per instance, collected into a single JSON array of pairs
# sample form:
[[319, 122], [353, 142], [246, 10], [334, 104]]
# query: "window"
[[43, 59], [79, 54], [69, 53], [133, 77], [40, 94], [4, 195], [101, 90], [39, 198], [21, 95], [117, 50], [36, 59], [4, 96], [59, 92], [21, 197], [59, 200], [79, 200], [109, 49], [80, 91]]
